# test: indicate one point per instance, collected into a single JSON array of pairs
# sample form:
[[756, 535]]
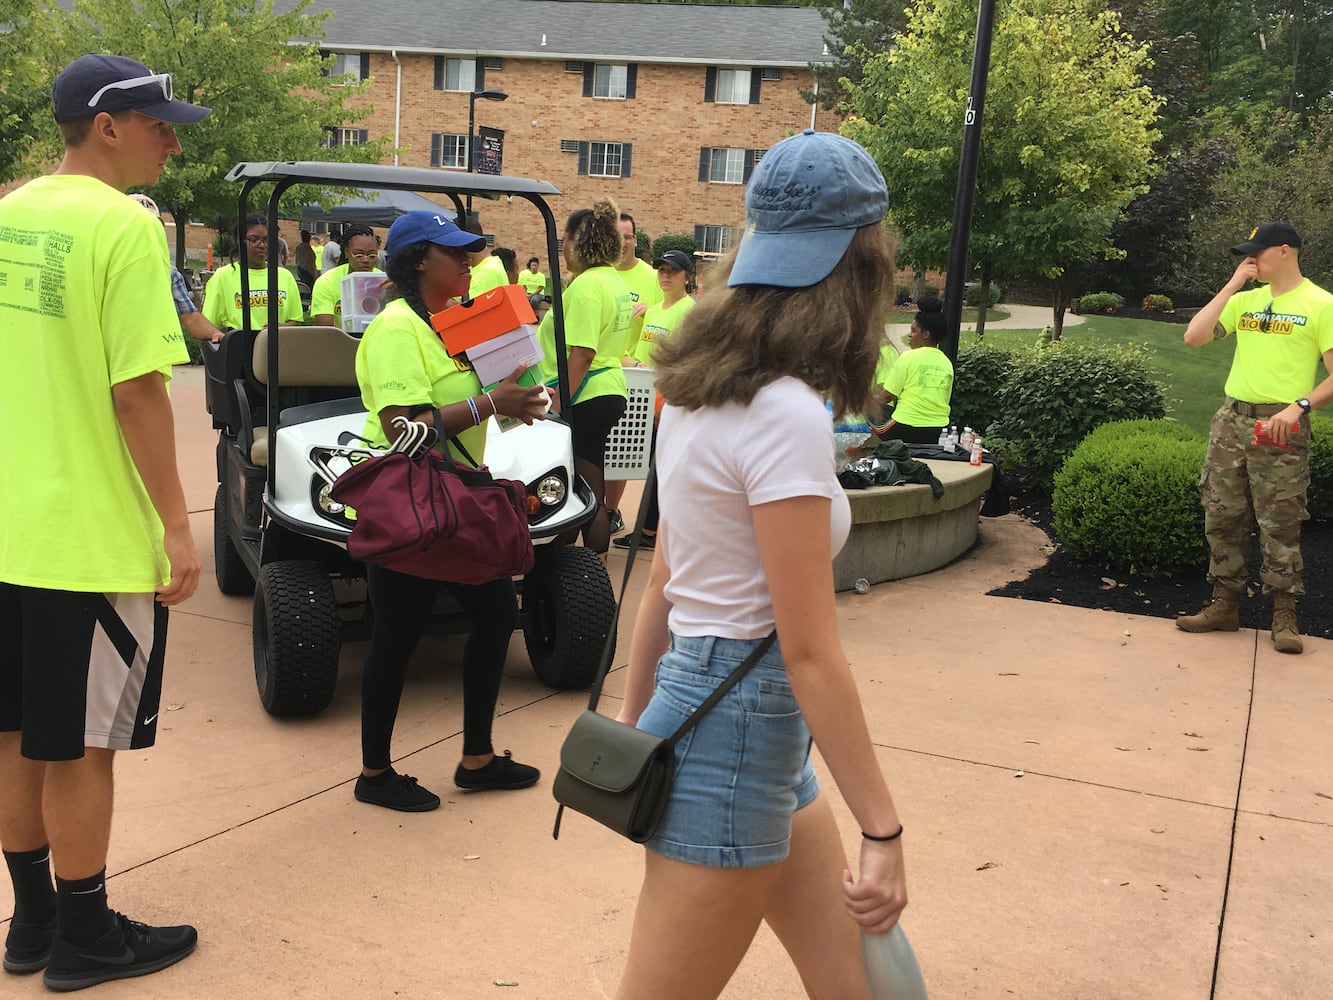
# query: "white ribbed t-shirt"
[[713, 465]]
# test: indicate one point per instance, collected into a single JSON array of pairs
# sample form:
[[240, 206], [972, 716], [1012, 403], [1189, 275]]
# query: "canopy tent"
[[375, 208]]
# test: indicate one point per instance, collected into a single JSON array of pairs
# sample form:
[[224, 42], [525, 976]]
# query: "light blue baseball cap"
[[805, 201]]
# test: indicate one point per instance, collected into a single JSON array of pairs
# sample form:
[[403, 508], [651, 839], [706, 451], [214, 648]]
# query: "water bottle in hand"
[[891, 969]]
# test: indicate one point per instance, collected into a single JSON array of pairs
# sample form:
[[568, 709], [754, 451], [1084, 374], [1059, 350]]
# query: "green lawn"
[[1193, 376]]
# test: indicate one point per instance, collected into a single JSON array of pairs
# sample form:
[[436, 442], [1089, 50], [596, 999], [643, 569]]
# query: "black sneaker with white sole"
[[127, 949], [28, 946], [617, 522]]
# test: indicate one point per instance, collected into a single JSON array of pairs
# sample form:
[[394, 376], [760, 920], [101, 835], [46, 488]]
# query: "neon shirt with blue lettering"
[[326, 297], [85, 304], [658, 323], [922, 379], [490, 273], [641, 280], [222, 298], [401, 361], [597, 314], [1281, 364]]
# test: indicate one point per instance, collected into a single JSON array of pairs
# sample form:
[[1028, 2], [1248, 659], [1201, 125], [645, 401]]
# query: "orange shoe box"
[[484, 318]]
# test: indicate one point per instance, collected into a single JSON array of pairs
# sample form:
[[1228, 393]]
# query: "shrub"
[[1118, 429], [1128, 499], [1158, 303], [194, 348], [978, 374], [1319, 500], [929, 291], [683, 242], [1055, 395], [972, 294], [1099, 302]]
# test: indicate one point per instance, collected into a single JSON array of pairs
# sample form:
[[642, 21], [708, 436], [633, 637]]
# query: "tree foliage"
[[24, 93], [1067, 134], [856, 30]]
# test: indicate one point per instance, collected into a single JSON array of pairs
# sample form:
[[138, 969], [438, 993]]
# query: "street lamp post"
[[485, 95]]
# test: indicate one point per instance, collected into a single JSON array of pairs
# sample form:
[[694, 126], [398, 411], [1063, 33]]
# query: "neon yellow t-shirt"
[[922, 379], [597, 313], [85, 304], [532, 281], [319, 256], [326, 297], [1280, 365], [641, 280], [490, 273], [401, 361], [222, 298], [658, 323]]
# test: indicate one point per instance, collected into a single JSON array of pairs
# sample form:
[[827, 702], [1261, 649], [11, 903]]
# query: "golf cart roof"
[[378, 175]]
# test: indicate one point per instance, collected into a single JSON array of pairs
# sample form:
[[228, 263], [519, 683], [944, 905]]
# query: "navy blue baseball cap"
[[429, 227], [96, 83], [676, 260], [805, 201]]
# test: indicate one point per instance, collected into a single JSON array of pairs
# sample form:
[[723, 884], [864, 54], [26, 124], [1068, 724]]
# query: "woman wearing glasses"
[[222, 294], [326, 303]]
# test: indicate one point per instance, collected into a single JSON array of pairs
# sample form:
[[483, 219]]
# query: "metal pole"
[[471, 115], [967, 178]]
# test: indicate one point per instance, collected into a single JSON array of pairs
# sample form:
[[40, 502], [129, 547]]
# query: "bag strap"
[[440, 436]]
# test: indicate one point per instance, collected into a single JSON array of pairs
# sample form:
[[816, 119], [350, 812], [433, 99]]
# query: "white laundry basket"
[[628, 444]]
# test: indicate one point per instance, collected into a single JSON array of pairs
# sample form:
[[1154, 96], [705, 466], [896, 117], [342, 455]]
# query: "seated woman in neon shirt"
[[918, 383]]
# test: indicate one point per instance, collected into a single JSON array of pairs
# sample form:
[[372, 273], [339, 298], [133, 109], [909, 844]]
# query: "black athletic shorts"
[[80, 670], [593, 421]]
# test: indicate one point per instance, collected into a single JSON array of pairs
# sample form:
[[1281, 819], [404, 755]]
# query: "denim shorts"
[[744, 769]]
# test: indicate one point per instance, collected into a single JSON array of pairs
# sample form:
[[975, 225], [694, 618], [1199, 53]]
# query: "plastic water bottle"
[[975, 457], [862, 585], [891, 968], [943, 442], [953, 436], [966, 440]]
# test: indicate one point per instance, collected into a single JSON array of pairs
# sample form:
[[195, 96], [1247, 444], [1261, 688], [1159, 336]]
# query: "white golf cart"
[[287, 406]]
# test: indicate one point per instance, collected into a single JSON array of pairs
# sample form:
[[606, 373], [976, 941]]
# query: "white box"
[[362, 299], [501, 356]]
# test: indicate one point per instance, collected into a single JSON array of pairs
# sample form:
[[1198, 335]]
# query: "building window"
[[355, 65], [727, 166], [715, 239], [733, 86], [604, 159], [609, 82], [448, 150], [458, 74], [351, 137]]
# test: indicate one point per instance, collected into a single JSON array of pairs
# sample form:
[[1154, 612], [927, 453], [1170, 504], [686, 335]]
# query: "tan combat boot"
[[1222, 615], [1286, 639]]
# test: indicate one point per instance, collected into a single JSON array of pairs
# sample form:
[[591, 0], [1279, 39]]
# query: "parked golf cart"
[[287, 406]]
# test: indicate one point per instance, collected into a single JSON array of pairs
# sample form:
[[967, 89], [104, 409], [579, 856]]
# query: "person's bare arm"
[[324, 319], [650, 639], [1204, 325], [143, 410], [580, 360], [199, 327], [1280, 425]]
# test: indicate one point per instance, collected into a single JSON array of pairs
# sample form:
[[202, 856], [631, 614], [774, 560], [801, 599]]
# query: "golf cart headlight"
[[326, 502], [551, 491]]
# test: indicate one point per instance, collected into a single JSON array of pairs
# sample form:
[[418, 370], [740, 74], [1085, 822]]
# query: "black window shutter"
[[365, 136], [589, 69], [710, 85], [365, 65], [436, 155], [480, 75], [439, 72], [631, 80], [699, 237], [756, 78], [749, 165], [705, 152], [625, 149], [583, 158]]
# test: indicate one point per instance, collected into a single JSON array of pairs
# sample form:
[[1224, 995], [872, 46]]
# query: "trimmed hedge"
[[1158, 303], [1319, 500], [972, 294], [1100, 302], [1128, 498], [978, 375]]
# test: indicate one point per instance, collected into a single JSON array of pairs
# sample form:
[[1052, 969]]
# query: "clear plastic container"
[[891, 968]]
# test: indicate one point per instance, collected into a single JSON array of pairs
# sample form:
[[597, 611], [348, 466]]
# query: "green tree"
[[24, 93], [856, 30], [1067, 135], [269, 88]]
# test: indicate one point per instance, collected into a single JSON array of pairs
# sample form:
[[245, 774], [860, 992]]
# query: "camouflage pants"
[[1245, 485]]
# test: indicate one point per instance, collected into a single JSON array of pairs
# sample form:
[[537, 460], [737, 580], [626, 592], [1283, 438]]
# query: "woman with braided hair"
[[360, 248], [404, 370]]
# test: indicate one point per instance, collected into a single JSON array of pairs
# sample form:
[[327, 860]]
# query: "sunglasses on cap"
[[163, 80]]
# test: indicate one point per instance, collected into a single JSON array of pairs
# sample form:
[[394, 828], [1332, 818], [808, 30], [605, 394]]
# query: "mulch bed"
[[1164, 595]]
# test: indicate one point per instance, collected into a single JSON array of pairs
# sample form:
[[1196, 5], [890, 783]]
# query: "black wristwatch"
[[1304, 404]]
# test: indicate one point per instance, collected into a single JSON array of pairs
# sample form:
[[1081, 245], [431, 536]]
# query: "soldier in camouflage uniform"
[[1281, 328]]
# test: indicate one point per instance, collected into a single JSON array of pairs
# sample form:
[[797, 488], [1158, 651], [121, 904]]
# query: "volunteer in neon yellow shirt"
[[919, 383], [326, 300], [488, 272], [675, 275], [532, 279], [222, 294], [319, 255], [597, 315], [639, 278]]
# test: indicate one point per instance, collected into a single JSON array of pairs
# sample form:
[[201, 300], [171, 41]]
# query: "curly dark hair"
[[593, 234]]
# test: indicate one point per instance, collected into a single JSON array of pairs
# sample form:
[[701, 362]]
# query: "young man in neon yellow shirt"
[[222, 294], [95, 540], [1282, 329]]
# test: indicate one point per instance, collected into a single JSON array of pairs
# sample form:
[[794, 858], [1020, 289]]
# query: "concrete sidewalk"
[[1086, 796]]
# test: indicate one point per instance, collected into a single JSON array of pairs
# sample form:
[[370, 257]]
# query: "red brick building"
[[664, 107]]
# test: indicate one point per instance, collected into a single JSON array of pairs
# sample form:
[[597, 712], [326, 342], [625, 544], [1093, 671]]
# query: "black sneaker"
[[625, 541], [28, 946], [127, 949], [400, 792], [617, 522], [501, 772]]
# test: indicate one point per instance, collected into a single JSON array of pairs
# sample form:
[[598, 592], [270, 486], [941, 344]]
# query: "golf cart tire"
[[296, 637], [233, 576], [568, 607]]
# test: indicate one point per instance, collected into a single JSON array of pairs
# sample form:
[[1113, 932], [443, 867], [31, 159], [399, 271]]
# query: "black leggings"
[[593, 421], [912, 435], [402, 605]]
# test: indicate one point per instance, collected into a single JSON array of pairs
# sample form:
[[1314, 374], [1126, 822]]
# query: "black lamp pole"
[[485, 95]]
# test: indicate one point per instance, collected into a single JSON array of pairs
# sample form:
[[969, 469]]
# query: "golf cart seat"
[[315, 363]]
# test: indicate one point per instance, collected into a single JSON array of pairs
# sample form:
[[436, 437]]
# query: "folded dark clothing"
[[889, 465]]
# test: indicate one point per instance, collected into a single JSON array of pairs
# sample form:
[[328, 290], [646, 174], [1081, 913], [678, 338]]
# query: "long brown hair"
[[737, 340]]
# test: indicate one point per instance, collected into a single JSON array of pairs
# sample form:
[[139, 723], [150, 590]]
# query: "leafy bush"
[[1319, 500], [1055, 395], [978, 374], [1119, 429], [1100, 302], [929, 291], [972, 294], [1159, 303], [194, 348], [1128, 498], [683, 242]]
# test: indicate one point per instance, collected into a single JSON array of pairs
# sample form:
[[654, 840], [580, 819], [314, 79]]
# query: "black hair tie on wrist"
[[884, 840]]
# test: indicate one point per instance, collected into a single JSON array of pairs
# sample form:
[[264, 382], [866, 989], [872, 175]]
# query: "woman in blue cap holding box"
[[752, 516], [404, 371]]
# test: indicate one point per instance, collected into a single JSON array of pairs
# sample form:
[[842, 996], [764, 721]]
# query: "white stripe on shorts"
[[114, 686]]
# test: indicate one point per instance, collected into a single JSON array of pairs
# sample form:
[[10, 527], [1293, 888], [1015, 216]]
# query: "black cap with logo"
[[1270, 234]]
